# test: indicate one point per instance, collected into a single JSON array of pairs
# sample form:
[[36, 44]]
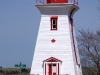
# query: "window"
[[54, 23], [54, 68]]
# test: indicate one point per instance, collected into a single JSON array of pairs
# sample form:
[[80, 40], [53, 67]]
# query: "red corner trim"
[[71, 22], [74, 44], [72, 12]]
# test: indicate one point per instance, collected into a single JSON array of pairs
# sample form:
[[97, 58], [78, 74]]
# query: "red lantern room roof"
[[56, 1]]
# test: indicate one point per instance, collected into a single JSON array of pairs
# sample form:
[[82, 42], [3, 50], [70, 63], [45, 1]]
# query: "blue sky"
[[19, 24]]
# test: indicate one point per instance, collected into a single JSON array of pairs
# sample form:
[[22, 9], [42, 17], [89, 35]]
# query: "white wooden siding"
[[62, 49]]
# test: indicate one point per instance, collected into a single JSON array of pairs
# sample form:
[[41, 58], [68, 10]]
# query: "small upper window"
[[54, 23]]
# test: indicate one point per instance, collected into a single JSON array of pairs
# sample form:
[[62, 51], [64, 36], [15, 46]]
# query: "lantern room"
[[56, 1]]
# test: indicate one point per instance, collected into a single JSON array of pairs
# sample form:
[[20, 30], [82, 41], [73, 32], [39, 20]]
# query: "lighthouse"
[[56, 51]]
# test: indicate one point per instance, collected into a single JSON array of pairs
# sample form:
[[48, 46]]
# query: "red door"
[[50, 69]]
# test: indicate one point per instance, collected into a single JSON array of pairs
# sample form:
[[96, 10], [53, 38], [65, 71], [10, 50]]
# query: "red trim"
[[52, 59], [72, 12], [58, 68], [55, 18], [45, 68], [74, 44], [71, 22], [74, 47]]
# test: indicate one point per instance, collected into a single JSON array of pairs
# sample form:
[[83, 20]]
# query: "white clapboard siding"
[[62, 48]]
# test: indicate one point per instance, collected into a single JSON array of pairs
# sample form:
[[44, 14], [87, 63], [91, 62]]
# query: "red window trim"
[[54, 17]]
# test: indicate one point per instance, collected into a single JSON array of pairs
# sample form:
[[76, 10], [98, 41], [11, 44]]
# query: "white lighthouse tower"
[[56, 51]]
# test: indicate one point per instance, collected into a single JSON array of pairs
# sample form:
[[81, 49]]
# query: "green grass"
[[9, 70]]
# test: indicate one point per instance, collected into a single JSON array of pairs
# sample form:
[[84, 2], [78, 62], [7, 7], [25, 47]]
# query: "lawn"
[[14, 71]]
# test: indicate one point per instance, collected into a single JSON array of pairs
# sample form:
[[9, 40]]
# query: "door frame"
[[51, 61]]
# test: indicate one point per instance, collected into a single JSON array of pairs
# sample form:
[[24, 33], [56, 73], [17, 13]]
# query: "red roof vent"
[[56, 1]]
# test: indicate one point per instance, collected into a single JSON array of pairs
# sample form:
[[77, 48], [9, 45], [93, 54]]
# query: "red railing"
[[40, 2], [75, 2]]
